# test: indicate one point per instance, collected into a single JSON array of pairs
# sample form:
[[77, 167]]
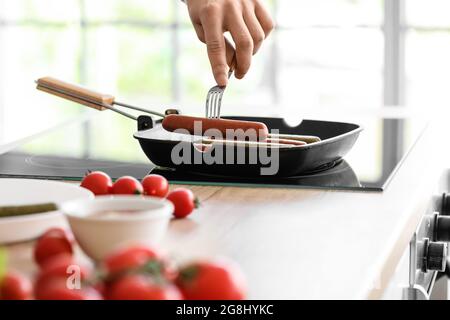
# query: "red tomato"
[[142, 287], [184, 202], [155, 185], [211, 281], [100, 286], [60, 266], [127, 185], [14, 286], [98, 182], [57, 289], [129, 258], [53, 242]]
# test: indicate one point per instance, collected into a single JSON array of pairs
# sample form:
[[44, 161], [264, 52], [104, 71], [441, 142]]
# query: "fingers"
[[265, 20], [199, 31], [243, 41], [212, 21], [255, 29], [230, 52], [249, 23]]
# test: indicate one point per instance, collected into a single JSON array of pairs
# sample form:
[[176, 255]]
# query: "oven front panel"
[[420, 272]]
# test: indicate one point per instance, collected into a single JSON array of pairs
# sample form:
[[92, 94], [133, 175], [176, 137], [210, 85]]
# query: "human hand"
[[248, 22]]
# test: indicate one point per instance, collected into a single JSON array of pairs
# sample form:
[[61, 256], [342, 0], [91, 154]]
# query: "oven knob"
[[441, 228], [436, 256], [445, 206], [431, 255]]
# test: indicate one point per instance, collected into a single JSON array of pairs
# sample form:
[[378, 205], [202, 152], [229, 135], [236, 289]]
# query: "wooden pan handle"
[[74, 93]]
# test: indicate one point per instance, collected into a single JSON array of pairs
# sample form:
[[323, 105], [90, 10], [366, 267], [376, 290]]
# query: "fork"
[[215, 94]]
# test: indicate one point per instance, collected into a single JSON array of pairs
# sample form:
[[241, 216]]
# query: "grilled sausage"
[[307, 139], [285, 141], [242, 130]]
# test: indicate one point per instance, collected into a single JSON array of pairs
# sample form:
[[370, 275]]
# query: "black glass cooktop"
[[106, 143]]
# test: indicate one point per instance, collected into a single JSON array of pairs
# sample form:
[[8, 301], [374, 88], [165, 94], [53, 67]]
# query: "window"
[[427, 53], [324, 53]]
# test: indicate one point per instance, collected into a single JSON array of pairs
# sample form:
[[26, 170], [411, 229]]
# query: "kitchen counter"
[[307, 244]]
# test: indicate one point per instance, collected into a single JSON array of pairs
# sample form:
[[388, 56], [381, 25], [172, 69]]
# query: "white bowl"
[[99, 236], [16, 192]]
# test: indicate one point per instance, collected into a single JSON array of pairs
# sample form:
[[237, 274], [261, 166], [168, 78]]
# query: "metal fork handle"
[[214, 96]]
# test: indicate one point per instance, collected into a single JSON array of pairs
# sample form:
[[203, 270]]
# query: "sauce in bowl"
[[106, 214]]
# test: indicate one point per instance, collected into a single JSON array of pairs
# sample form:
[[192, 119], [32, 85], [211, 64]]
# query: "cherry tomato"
[[142, 287], [155, 185], [53, 242], [127, 185], [211, 281], [57, 289], [60, 266], [184, 202], [100, 286], [129, 258], [98, 182], [14, 286]]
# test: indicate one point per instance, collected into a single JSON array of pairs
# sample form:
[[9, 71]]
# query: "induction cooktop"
[[106, 144]]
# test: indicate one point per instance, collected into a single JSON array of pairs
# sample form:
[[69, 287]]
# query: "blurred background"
[[324, 54]]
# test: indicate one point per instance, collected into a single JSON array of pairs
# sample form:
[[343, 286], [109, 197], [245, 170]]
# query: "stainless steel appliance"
[[423, 269]]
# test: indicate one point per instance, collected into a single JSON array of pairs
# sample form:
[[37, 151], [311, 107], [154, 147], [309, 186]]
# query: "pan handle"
[[75, 93]]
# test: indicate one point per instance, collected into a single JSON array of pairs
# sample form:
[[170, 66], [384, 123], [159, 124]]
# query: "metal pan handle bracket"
[[145, 122]]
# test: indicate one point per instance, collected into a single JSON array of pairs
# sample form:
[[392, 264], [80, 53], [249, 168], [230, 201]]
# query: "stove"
[[106, 143]]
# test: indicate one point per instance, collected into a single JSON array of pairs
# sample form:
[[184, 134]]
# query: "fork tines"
[[214, 102]]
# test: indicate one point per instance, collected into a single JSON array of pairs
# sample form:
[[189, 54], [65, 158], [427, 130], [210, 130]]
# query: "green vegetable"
[[3, 263], [12, 211]]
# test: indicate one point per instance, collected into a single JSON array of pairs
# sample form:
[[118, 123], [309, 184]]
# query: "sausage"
[[306, 139], [173, 122], [285, 141], [265, 143]]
